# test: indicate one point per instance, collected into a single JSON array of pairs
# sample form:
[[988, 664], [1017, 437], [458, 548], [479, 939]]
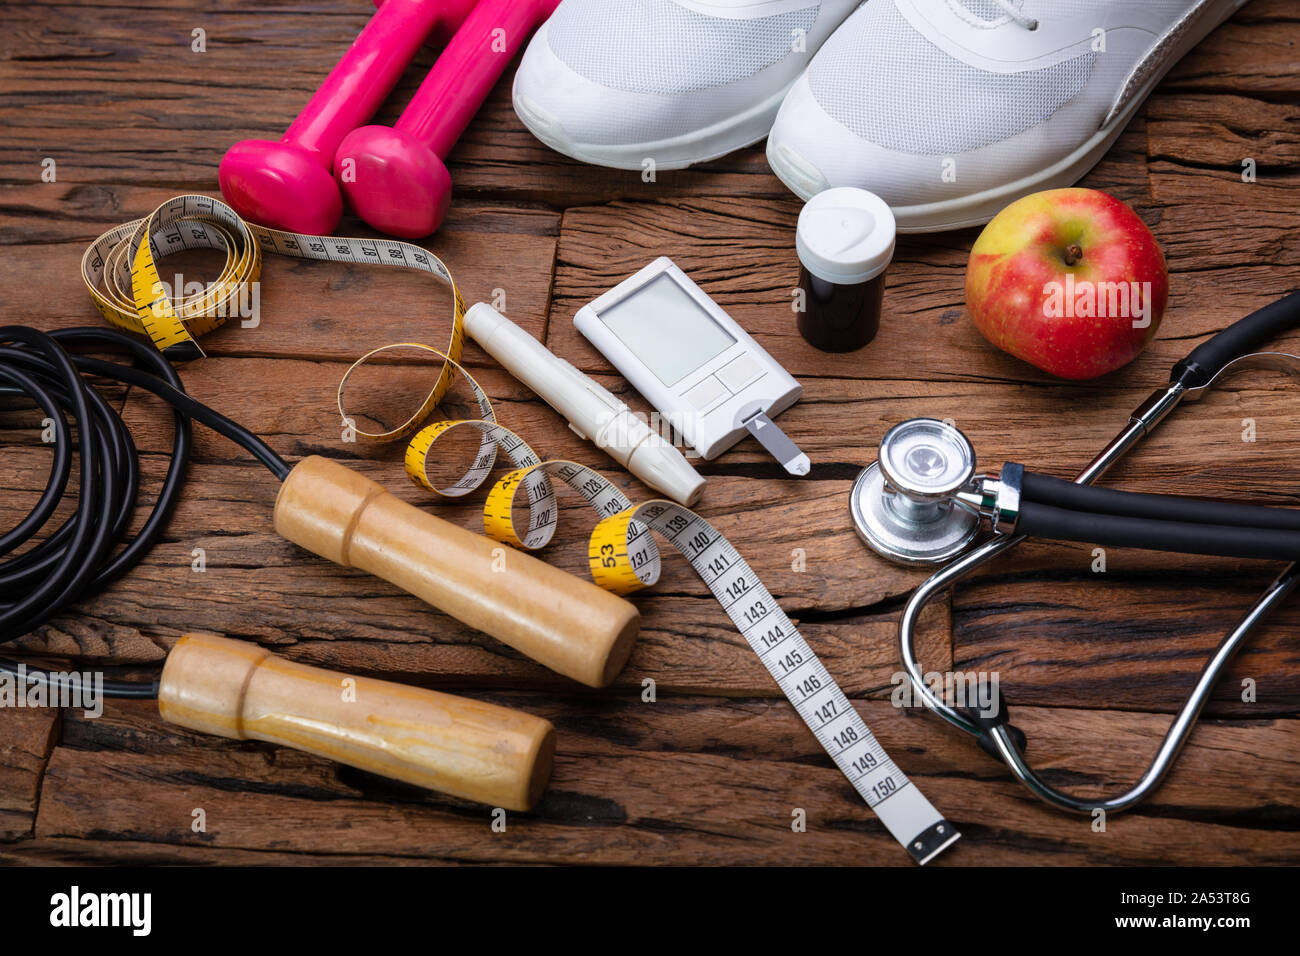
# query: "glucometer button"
[[740, 373], [706, 394]]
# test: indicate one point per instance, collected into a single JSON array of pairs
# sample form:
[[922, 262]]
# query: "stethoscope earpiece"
[[903, 505]]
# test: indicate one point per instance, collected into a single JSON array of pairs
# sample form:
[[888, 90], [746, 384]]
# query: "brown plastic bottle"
[[846, 243]]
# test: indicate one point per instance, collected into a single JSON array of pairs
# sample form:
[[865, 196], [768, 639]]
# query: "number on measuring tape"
[[120, 270], [623, 557]]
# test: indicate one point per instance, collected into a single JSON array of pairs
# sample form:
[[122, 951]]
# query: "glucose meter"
[[702, 371]]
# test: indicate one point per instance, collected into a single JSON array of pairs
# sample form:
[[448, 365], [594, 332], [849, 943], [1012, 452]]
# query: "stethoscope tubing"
[[1038, 520], [1179, 730], [1049, 490], [1242, 337], [1190, 376], [1066, 511]]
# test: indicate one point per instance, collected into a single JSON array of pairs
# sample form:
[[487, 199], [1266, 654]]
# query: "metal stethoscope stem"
[[1211, 362], [1178, 731], [1142, 421]]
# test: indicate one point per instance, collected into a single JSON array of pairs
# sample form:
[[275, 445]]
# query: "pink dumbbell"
[[287, 184], [395, 178]]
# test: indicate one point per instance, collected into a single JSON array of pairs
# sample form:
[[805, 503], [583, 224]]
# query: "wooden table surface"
[[1092, 665]]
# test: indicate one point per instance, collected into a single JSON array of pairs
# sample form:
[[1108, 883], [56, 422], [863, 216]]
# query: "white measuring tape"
[[623, 557], [622, 553]]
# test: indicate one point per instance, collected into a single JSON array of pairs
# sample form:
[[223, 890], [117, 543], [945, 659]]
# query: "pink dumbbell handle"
[[468, 69], [367, 73]]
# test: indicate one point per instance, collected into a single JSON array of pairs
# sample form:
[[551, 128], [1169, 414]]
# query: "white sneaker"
[[951, 109], [619, 82]]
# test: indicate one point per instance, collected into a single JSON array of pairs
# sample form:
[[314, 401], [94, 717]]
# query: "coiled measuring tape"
[[623, 558], [622, 552], [120, 270]]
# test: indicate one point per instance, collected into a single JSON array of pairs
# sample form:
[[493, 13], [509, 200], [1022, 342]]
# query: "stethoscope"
[[922, 503]]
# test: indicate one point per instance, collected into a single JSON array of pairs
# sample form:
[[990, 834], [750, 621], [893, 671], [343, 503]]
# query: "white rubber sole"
[[978, 208], [679, 152]]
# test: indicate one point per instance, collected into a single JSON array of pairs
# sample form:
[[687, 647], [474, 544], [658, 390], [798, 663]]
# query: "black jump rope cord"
[[78, 559]]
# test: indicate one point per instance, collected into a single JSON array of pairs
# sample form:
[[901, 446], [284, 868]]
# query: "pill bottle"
[[845, 241]]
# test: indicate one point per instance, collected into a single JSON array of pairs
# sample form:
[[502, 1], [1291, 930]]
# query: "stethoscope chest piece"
[[902, 504]]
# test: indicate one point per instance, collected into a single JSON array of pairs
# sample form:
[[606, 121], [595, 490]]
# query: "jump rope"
[[78, 559], [91, 548], [81, 557], [576, 628]]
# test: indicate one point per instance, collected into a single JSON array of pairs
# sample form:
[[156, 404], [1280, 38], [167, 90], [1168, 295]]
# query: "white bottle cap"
[[846, 235]]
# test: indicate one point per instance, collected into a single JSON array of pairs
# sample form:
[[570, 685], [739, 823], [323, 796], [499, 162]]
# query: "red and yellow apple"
[[1069, 280]]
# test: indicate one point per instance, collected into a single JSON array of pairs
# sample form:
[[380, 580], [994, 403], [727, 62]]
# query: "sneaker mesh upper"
[[919, 99], [984, 9], [656, 46]]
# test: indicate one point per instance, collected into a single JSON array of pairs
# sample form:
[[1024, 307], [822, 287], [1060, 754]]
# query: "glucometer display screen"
[[667, 329]]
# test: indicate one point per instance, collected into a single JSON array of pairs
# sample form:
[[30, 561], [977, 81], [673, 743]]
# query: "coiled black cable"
[[89, 549]]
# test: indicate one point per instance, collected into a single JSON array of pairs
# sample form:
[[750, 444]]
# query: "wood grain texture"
[[1092, 664], [639, 783], [27, 738]]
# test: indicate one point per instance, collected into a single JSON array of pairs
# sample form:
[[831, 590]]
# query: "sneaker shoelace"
[[1012, 11]]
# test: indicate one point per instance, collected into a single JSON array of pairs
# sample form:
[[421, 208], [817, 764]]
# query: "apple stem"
[[1073, 254]]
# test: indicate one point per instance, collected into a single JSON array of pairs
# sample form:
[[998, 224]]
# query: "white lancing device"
[[593, 412], [693, 362]]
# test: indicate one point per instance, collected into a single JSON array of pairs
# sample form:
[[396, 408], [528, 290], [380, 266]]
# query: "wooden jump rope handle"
[[466, 748], [559, 620]]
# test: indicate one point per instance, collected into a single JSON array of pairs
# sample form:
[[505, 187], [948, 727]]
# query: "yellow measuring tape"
[[622, 552], [120, 270], [623, 557]]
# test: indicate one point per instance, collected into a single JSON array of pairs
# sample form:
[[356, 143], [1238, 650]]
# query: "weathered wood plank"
[[260, 587], [1129, 638], [78, 852], [711, 771], [1241, 434], [27, 737], [185, 114], [684, 781], [1197, 145], [368, 626], [1269, 30], [1224, 264]]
